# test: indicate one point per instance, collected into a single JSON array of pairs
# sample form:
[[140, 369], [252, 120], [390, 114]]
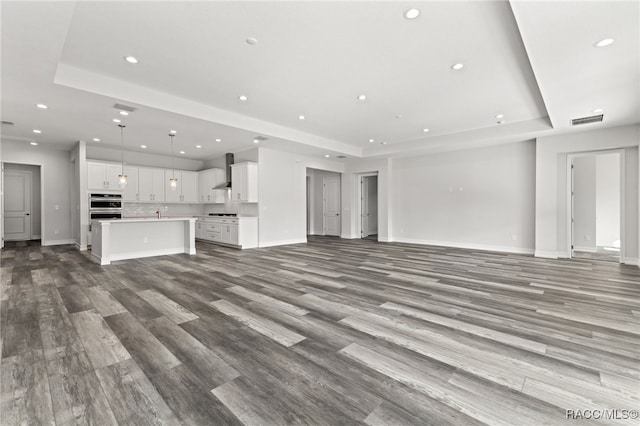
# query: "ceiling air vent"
[[7, 123], [587, 120], [123, 107], [260, 138]]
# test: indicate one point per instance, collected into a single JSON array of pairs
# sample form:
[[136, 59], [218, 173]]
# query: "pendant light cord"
[[122, 126], [173, 170]]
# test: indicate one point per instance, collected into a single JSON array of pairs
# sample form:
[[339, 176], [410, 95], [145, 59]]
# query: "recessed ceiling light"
[[115, 120], [34, 143], [124, 113], [604, 42], [252, 41], [96, 139], [425, 130], [173, 132], [598, 110], [143, 146], [411, 13], [371, 140], [362, 97], [131, 59], [256, 141], [457, 66], [499, 116], [218, 140], [327, 155], [181, 152], [243, 98], [37, 131], [42, 106], [301, 117], [198, 146]]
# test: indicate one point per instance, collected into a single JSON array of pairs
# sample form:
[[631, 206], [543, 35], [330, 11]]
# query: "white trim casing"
[[282, 242], [58, 242]]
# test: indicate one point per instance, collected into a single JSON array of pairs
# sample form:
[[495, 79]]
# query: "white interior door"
[[332, 206], [372, 205], [17, 205], [364, 200]]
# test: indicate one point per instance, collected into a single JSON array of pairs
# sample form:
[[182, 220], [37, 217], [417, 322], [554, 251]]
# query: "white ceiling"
[[534, 62]]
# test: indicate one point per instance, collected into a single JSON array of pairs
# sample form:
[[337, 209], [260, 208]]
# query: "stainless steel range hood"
[[228, 162]]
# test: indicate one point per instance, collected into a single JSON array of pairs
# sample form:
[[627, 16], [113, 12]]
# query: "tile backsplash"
[[149, 210]]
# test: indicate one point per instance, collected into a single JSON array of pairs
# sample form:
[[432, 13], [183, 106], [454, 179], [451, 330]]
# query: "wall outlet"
[[587, 237], [57, 207], [56, 231], [514, 237], [145, 240]]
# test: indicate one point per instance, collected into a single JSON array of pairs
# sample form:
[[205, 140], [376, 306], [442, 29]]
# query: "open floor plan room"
[[330, 332]]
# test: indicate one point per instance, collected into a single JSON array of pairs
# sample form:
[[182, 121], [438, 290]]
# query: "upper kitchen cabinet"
[[130, 192], [151, 184], [103, 176], [187, 187], [207, 180], [244, 182]]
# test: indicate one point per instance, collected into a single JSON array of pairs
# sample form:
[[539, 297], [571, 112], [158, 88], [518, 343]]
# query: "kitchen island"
[[132, 238]]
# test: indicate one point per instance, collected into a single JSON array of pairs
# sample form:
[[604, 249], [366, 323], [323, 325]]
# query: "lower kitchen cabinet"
[[241, 232]]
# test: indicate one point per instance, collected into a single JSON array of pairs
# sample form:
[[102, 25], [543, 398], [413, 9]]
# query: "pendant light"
[[173, 182], [122, 178]]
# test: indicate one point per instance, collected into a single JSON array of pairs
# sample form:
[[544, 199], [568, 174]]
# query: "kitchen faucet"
[[158, 213]]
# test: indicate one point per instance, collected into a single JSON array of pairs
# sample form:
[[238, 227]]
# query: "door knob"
[[26, 214]]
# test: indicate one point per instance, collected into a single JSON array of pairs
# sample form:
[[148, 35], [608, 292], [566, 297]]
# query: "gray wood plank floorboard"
[[329, 332]]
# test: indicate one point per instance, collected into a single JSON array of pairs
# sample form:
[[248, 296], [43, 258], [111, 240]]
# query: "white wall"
[[551, 186], [608, 200], [481, 198], [56, 183], [36, 208], [584, 203], [96, 152], [282, 195]]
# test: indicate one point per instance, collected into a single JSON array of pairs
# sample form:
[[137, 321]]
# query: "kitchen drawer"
[[214, 236], [214, 227]]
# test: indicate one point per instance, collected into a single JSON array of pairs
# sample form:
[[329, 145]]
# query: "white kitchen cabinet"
[[150, 184], [244, 182], [241, 232], [101, 175], [186, 189], [130, 192], [207, 180], [189, 187]]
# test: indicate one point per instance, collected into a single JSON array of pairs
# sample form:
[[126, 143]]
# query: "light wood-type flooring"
[[326, 333]]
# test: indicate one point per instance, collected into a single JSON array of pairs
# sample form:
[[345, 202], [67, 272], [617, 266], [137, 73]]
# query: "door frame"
[[570, 158], [359, 214], [42, 204]]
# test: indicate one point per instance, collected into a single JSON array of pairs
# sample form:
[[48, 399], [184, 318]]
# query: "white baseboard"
[[585, 249], [281, 243], [81, 247], [484, 247], [546, 254], [348, 236], [57, 242], [631, 261]]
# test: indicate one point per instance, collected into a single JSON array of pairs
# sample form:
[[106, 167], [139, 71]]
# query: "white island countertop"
[[135, 237], [146, 219]]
